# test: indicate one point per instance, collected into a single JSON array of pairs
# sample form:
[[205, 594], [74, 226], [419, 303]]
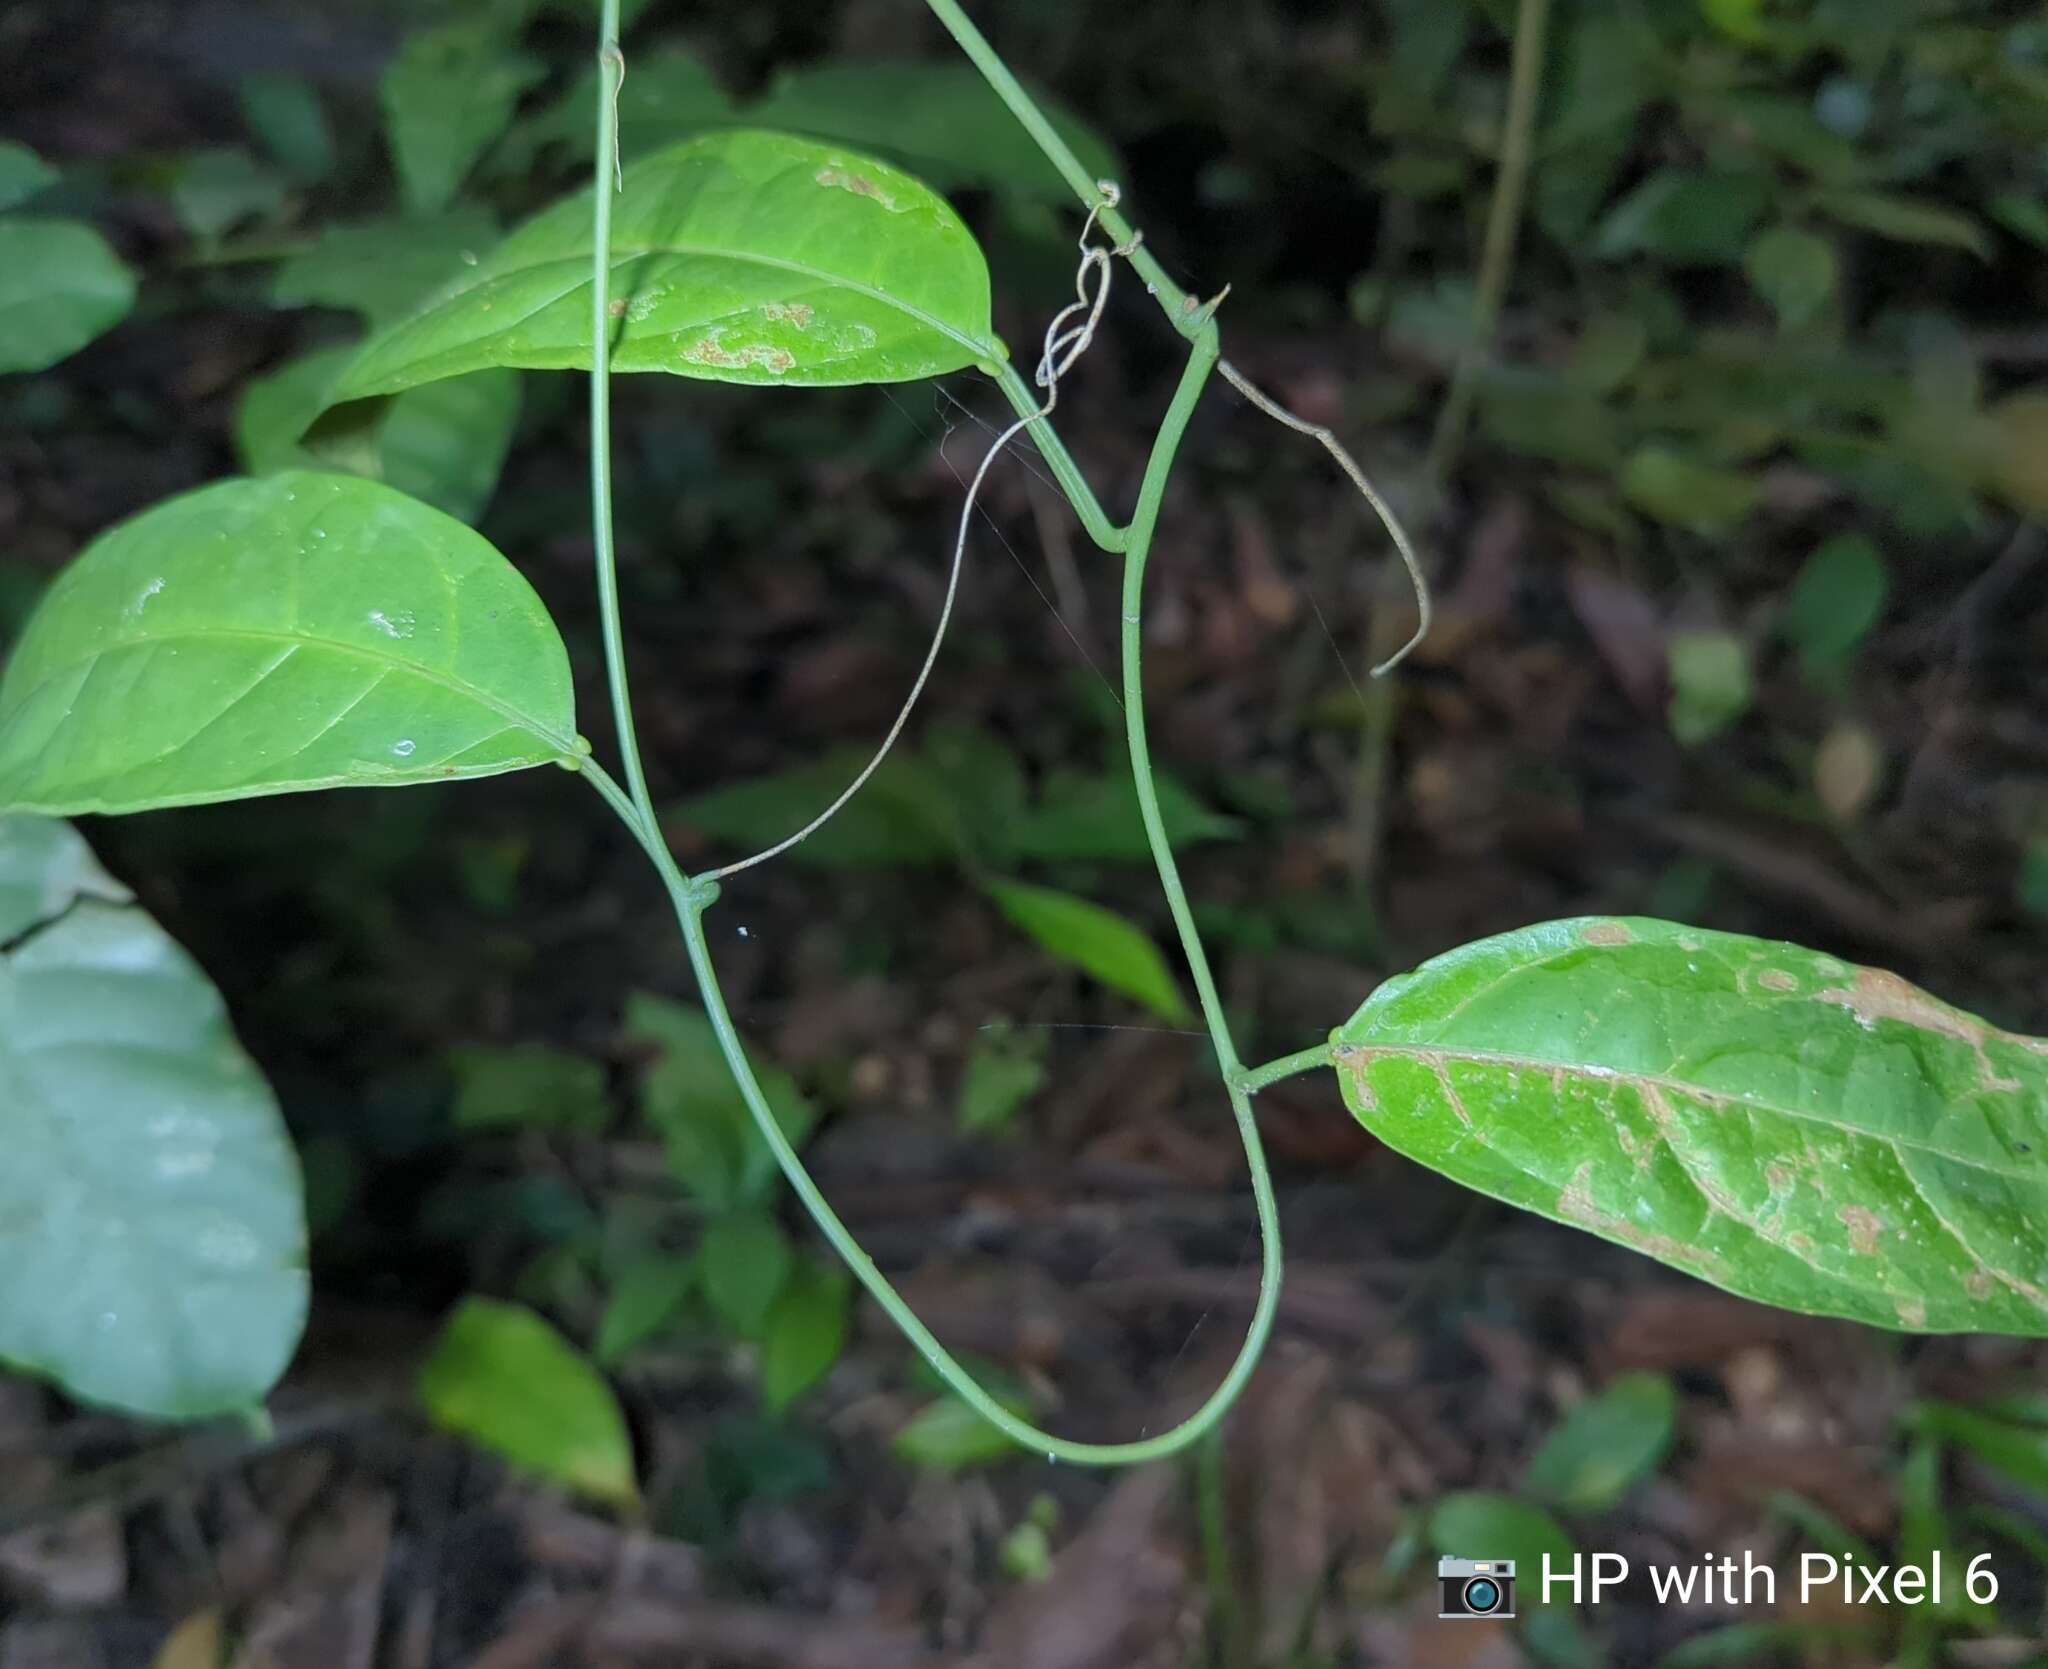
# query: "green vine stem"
[[1252, 1079], [1503, 223]]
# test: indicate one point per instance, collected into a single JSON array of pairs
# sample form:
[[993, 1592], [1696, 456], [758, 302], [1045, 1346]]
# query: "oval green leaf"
[[60, 286], [1605, 1445], [152, 1238], [260, 637], [503, 1378], [1822, 1137], [1101, 943], [740, 257]]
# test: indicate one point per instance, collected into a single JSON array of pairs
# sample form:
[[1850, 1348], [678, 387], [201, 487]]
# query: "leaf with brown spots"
[[741, 256], [1823, 1137]]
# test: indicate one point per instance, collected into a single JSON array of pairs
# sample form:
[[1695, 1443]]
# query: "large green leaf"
[[447, 95], [60, 286], [741, 257], [152, 1240], [257, 637], [1823, 1137]]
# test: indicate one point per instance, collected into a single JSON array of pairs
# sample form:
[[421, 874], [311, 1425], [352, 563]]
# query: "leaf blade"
[[738, 256], [170, 665], [1784, 1125]]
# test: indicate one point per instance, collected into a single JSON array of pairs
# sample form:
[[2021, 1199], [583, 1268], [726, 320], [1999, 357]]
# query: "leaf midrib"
[[565, 745], [1536, 1063]]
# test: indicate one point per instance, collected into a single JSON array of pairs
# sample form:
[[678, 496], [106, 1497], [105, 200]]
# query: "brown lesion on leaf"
[[708, 350], [1864, 1226], [1575, 1204], [1877, 994], [1776, 979], [1978, 1283], [787, 313], [848, 179], [1607, 933], [1912, 1313]]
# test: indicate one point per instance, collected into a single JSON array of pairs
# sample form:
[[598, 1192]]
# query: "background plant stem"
[[1503, 223]]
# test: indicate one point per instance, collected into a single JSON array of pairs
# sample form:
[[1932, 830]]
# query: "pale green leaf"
[[22, 174], [948, 1436], [259, 637], [285, 114], [152, 1238], [502, 1377], [690, 1097], [646, 1297], [217, 189], [1099, 942], [1711, 684], [1793, 270], [740, 257], [1605, 1445], [805, 1332], [383, 269], [1906, 220], [1839, 595], [527, 1086], [1687, 493], [1473, 1524], [1817, 1136], [60, 286], [1006, 1069], [447, 95], [941, 120], [744, 1260], [444, 443]]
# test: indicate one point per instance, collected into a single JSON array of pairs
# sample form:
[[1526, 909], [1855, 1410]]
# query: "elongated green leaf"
[[447, 95], [644, 1299], [941, 120], [804, 1333], [152, 1241], [22, 174], [745, 1259], [1823, 1137], [1605, 1445], [444, 443], [215, 189], [60, 286], [503, 1378], [1099, 942], [258, 637], [740, 257], [1906, 220]]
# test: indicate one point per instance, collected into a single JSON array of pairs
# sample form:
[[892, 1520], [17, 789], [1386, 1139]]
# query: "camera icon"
[[1477, 1587]]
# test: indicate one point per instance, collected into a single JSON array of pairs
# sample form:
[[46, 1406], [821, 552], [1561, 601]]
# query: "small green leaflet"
[[260, 637], [1821, 1137], [503, 1378], [740, 257], [1099, 942], [22, 174], [60, 286], [447, 95], [152, 1237]]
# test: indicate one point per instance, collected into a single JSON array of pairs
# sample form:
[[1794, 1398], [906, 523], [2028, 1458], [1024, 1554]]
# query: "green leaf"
[[1606, 1445], [667, 95], [805, 1332], [645, 1299], [1082, 818], [2019, 1452], [501, 1377], [1839, 595], [1472, 1524], [152, 1237], [22, 174], [689, 1096], [60, 286], [740, 257], [1794, 271], [1711, 685], [745, 1259], [383, 269], [1814, 1135], [215, 190], [1683, 217], [444, 443], [948, 1436], [1006, 1069], [1905, 220], [447, 95], [259, 637], [1744, 1645], [903, 815], [528, 1086], [285, 114], [2031, 889], [1101, 943], [1687, 493], [942, 121]]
